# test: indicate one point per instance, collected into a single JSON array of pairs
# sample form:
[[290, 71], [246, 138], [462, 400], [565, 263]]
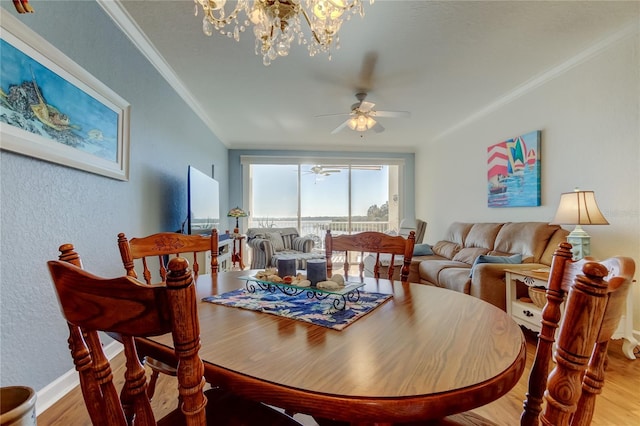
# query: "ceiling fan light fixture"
[[278, 22], [370, 122], [361, 118], [361, 123]]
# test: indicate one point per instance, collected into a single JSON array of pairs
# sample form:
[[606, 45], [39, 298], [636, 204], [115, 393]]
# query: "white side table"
[[525, 313], [225, 251], [529, 315]]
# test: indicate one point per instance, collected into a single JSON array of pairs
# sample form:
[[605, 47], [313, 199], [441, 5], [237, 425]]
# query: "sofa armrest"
[[303, 244], [488, 282], [262, 252]]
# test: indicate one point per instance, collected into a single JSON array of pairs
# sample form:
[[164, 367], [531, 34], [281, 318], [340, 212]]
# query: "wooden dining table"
[[425, 353]]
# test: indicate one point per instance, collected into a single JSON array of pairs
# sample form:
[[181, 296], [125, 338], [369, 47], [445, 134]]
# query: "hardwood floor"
[[619, 404]]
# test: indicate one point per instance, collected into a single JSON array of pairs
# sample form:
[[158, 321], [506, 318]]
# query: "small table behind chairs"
[[236, 254]]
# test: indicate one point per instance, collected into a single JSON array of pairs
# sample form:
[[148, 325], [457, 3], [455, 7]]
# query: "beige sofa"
[[450, 265]]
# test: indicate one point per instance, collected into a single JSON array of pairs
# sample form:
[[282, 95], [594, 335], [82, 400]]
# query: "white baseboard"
[[54, 391]]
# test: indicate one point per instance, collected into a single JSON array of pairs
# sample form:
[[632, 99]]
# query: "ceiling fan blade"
[[391, 113], [366, 72], [340, 127], [333, 115], [366, 106], [331, 171], [378, 128], [354, 167]]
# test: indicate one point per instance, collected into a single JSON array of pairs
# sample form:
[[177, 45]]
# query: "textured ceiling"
[[445, 62]]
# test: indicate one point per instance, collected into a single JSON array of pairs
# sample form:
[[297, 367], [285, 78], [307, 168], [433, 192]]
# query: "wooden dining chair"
[[594, 294], [376, 243], [128, 308], [161, 245], [155, 249]]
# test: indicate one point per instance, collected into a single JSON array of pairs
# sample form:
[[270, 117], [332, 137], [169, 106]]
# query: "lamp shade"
[[578, 208], [237, 212]]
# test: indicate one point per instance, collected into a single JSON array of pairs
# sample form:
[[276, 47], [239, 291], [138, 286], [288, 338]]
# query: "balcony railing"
[[318, 228]]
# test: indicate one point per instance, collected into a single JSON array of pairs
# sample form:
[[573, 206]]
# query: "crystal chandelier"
[[277, 23]]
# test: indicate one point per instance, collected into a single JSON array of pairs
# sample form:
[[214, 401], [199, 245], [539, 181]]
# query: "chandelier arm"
[[306, 17], [208, 12]]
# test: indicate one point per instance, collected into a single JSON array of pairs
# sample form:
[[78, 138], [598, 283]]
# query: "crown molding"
[[546, 76], [130, 28]]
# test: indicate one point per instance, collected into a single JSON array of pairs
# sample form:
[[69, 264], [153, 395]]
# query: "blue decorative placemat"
[[301, 307]]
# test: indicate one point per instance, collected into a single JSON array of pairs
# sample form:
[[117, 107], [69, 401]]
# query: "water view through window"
[[317, 197]]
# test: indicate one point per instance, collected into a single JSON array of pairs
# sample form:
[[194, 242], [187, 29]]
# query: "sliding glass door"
[[315, 196]]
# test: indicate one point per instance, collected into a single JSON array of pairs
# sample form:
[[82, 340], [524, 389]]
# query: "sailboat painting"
[[513, 172]]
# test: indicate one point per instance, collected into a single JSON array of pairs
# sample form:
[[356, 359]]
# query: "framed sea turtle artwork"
[[513, 172], [53, 109]]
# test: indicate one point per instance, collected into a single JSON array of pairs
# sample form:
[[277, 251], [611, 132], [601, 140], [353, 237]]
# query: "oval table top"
[[425, 353]]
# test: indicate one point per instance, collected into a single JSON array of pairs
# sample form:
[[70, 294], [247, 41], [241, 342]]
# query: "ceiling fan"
[[321, 171], [363, 116]]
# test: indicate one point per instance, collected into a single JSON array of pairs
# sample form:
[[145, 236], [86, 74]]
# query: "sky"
[[275, 191]]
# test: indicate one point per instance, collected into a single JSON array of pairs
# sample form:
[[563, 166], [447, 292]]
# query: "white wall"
[[44, 205], [590, 122]]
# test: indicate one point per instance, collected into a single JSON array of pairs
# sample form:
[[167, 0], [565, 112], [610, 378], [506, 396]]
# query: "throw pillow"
[[469, 254], [422, 250], [446, 249], [485, 258], [276, 240]]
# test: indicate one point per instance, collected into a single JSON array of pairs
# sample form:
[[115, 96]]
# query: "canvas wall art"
[[53, 109], [513, 172]]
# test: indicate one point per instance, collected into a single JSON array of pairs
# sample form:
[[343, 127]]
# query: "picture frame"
[[513, 172], [53, 109]]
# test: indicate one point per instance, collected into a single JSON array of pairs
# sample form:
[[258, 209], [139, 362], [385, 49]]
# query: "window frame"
[[247, 160]]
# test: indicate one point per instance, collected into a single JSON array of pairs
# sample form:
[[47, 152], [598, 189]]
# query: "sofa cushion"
[[275, 238], [262, 232], [414, 275], [560, 236], [514, 259], [457, 232], [527, 238], [288, 235], [385, 258], [422, 250], [446, 249], [482, 235], [430, 270], [469, 254], [456, 279]]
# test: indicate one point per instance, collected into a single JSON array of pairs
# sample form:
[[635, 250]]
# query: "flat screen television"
[[203, 198]]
